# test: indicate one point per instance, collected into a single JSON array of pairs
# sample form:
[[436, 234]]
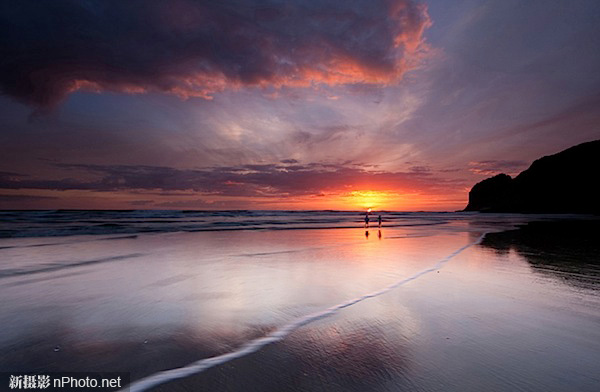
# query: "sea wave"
[[54, 223]]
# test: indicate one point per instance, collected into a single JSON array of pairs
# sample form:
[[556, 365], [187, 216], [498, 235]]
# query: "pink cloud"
[[197, 48]]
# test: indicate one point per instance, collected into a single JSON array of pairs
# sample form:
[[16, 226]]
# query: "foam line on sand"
[[279, 333]]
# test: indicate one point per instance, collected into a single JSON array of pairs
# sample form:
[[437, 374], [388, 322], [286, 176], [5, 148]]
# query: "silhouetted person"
[[366, 220], [379, 219]]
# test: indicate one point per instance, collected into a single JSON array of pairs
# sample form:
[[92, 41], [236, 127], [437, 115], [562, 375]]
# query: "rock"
[[490, 194], [566, 182]]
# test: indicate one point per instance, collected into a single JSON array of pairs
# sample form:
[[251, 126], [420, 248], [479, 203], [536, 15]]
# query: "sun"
[[369, 199]]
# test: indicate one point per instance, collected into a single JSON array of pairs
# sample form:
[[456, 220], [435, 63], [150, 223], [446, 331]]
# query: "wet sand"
[[506, 315]]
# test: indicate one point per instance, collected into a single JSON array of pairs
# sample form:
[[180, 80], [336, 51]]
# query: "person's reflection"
[[367, 234], [379, 234]]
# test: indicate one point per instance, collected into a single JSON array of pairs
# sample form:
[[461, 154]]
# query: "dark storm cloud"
[[23, 201], [24, 198], [195, 48], [244, 180]]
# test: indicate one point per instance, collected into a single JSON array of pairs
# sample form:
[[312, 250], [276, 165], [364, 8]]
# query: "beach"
[[442, 301]]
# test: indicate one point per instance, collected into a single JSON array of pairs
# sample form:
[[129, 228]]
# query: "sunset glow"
[[373, 199], [300, 195], [385, 104]]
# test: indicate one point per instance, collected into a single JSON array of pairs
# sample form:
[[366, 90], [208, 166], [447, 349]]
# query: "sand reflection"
[[195, 295]]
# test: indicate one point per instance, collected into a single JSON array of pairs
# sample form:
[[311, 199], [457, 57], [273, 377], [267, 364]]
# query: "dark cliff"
[[566, 182]]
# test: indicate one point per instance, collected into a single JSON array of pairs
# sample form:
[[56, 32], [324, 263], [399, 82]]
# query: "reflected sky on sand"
[[565, 250], [488, 320]]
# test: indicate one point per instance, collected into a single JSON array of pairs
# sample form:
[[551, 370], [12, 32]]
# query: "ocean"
[[303, 300]]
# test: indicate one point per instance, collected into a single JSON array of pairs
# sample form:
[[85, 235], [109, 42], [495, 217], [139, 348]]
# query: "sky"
[[302, 104]]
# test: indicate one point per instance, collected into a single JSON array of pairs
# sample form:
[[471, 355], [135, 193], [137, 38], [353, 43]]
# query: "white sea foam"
[[278, 334]]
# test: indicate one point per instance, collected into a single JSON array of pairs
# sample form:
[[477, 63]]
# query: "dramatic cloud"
[[297, 85], [24, 201], [195, 48], [23, 198], [246, 180]]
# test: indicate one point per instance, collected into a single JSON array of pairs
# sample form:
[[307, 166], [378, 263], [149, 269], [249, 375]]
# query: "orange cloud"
[[196, 48]]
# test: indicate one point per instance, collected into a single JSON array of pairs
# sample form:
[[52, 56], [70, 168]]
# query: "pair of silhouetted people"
[[367, 224], [367, 220]]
